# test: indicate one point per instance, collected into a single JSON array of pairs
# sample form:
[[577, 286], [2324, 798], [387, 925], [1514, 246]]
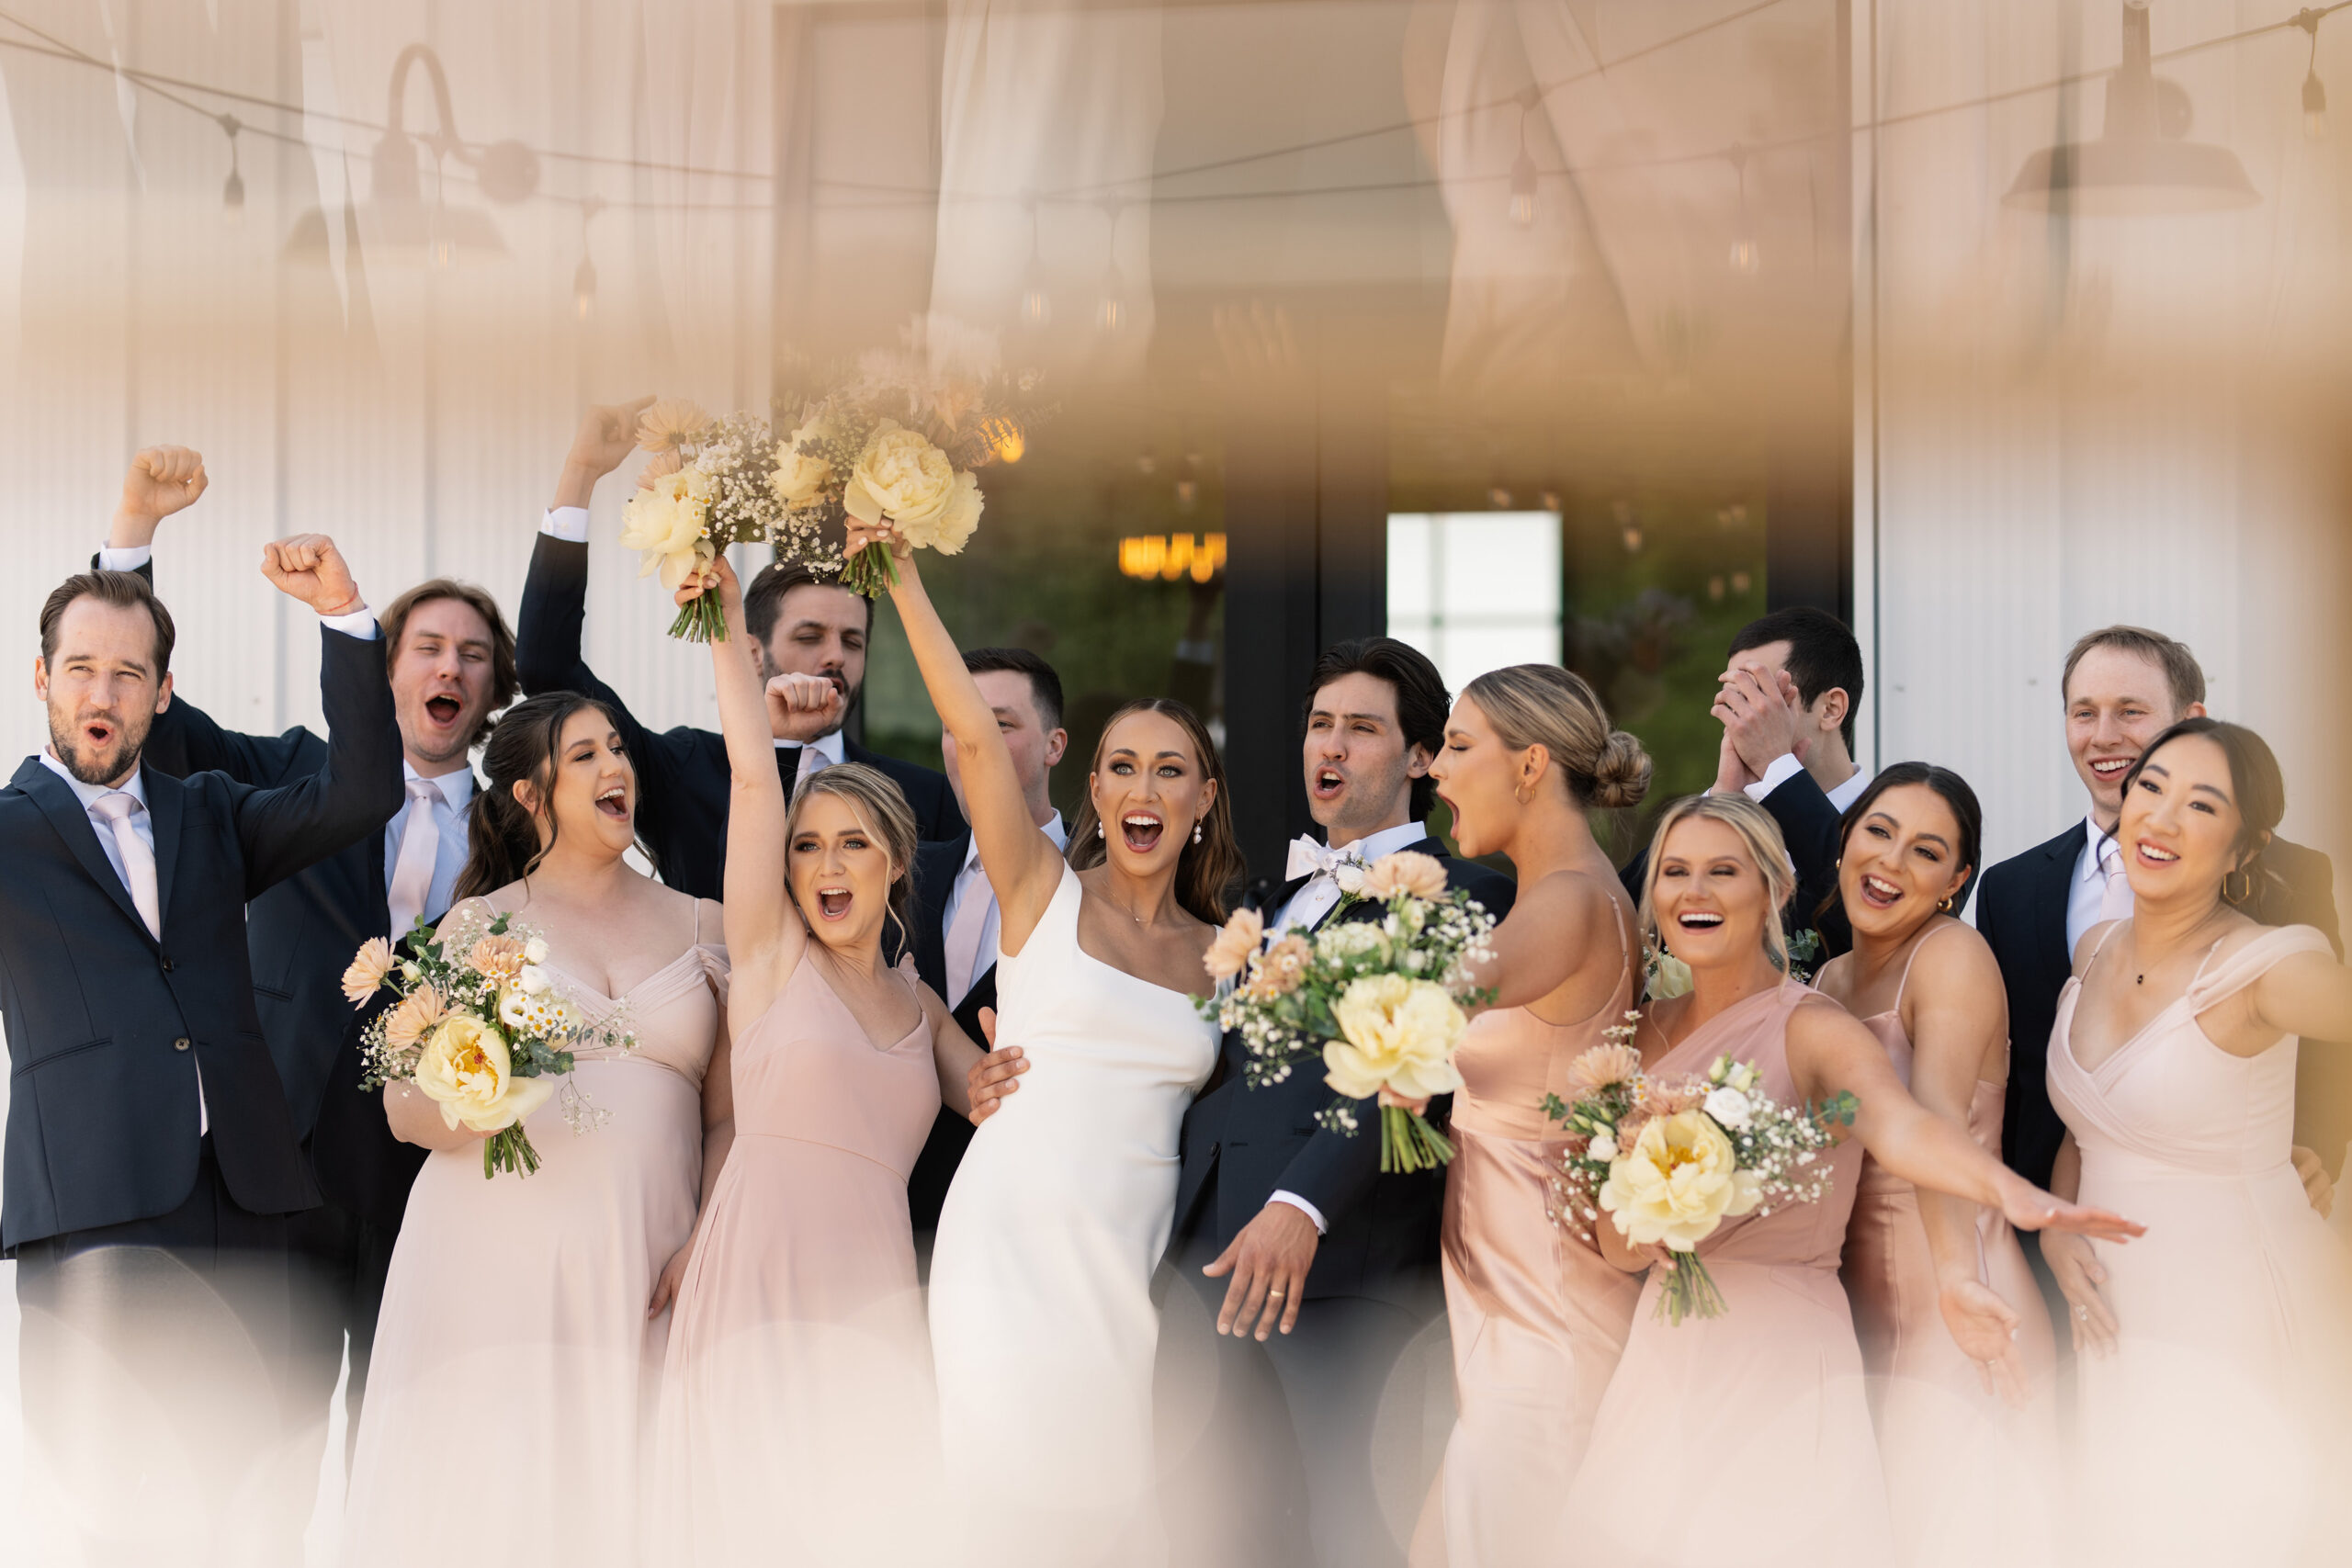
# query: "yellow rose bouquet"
[[710, 484], [478, 1025], [1379, 1001], [1669, 1160]]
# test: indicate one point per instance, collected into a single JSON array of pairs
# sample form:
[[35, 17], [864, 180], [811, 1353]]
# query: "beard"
[[66, 739]]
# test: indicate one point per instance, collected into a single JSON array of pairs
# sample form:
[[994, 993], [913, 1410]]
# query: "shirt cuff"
[[1783, 768], [131, 557], [1304, 1207], [360, 623], [566, 522]]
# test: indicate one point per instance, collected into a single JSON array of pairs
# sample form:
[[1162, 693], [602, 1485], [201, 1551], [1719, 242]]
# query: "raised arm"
[[1829, 1052], [1555, 927], [358, 788], [765, 933], [1022, 865]]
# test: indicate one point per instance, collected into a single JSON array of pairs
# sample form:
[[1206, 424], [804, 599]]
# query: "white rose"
[[1603, 1147], [1729, 1108], [533, 980], [536, 951], [1350, 877]]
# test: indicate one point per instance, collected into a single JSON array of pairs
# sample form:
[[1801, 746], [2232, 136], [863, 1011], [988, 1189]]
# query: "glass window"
[[1475, 590]]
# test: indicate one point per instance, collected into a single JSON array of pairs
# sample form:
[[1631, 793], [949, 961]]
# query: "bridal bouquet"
[[480, 1028], [1669, 1159], [711, 483], [1379, 1002], [900, 441]]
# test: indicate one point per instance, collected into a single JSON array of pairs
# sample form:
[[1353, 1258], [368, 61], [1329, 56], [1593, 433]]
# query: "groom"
[[1317, 1268]]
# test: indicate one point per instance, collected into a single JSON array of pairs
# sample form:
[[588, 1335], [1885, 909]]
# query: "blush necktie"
[[2114, 900], [963, 938], [411, 883], [117, 806]]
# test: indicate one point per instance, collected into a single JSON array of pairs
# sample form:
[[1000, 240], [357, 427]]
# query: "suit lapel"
[[2051, 899], [166, 804], [59, 804]]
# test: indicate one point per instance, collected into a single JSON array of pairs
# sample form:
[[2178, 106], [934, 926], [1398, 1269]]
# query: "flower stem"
[[1408, 1142], [700, 619], [509, 1148], [871, 571], [1688, 1290]]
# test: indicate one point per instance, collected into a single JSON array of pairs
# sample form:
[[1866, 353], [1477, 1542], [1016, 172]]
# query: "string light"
[[1522, 168], [1036, 300], [1172, 557], [1745, 259], [2315, 90], [232, 189], [584, 280], [1111, 301]]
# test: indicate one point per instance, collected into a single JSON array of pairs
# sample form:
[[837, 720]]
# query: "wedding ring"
[[2082, 1311], [1276, 1295]]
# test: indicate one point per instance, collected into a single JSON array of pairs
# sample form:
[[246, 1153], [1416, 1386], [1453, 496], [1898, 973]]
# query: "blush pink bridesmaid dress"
[[2217, 1427], [1945, 1443], [510, 1400], [1744, 1438], [1538, 1317], [797, 1421]]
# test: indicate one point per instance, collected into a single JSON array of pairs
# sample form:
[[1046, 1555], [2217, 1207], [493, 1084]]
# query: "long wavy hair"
[[1207, 872], [503, 842]]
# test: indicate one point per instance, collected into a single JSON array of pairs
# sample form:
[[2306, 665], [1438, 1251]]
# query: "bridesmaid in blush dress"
[[1955, 1426], [2214, 1359], [797, 1418], [1537, 1317], [510, 1398], [1748, 1436]]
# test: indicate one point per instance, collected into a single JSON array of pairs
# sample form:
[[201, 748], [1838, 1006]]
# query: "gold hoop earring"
[[1944, 907], [2240, 898]]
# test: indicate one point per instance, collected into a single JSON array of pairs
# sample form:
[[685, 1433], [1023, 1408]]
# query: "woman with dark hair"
[[1947, 1313], [1041, 1319], [515, 1341], [799, 1362], [2173, 1062]]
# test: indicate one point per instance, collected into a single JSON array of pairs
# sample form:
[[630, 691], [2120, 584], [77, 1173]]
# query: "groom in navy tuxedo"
[[152, 1161], [451, 660], [1317, 1268]]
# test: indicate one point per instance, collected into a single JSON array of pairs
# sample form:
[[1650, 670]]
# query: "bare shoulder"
[[1956, 959], [1835, 979], [1817, 1019], [2092, 940], [478, 910], [712, 915]]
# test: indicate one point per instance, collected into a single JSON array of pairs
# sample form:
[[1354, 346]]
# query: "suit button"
[[167, 965], [181, 1043]]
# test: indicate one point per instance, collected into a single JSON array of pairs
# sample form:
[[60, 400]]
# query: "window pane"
[[1501, 563]]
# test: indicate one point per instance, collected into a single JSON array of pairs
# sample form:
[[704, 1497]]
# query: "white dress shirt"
[[1785, 767], [971, 881], [1306, 908], [143, 822], [2087, 895], [566, 522], [449, 852]]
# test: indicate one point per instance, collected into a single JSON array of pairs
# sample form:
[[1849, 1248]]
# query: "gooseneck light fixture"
[[2134, 166]]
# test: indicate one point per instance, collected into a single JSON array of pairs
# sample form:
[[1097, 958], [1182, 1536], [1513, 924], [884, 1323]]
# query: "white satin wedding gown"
[[1041, 1323]]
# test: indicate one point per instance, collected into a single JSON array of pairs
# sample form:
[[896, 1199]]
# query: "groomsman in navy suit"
[[451, 660], [1317, 1268], [955, 915], [152, 1161], [1786, 699], [800, 624], [2122, 686]]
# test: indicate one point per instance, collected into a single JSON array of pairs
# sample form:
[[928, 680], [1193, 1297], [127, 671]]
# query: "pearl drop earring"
[[1196, 832], [1100, 831]]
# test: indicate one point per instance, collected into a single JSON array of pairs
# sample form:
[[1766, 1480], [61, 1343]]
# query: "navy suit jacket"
[[2021, 914], [1382, 1231], [935, 868], [107, 1026], [682, 774], [302, 933]]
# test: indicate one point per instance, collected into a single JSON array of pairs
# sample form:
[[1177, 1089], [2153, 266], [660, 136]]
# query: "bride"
[[1042, 1322]]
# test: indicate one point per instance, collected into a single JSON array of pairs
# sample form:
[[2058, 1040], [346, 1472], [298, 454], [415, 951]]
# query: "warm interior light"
[[1171, 556]]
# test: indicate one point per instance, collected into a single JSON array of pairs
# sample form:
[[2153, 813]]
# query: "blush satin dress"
[[1744, 1438], [1538, 1317], [1945, 1443], [2217, 1427]]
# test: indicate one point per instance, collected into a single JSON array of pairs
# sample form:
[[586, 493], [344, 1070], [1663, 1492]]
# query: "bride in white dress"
[[1041, 1323]]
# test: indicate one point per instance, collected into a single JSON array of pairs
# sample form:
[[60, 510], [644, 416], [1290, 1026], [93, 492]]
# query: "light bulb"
[[583, 289], [232, 195], [1522, 190], [1632, 535], [1745, 257], [1499, 497], [2314, 108]]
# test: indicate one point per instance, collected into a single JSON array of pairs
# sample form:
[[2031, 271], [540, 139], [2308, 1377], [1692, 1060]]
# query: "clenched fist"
[[159, 482], [803, 708], [608, 435], [307, 567]]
